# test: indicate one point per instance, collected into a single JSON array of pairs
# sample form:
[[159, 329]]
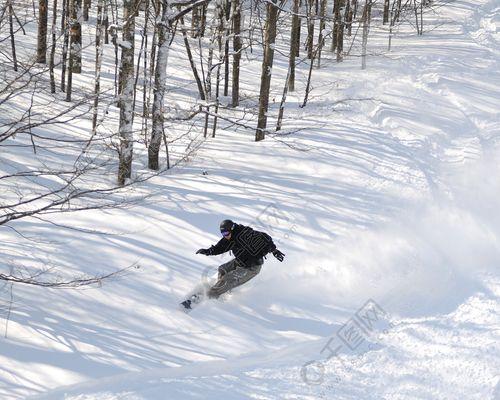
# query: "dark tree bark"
[[12, 37], [106, 24], [198, 20], [191, 60], [86, 7], [310, 29], [386, 11], [294, 44], [337, 20], [322, 24], [195, 22], [53, 48], [267, 65], [41, 52], [340, 37], [366, 27], [348, 17], [235, 91], [65, 28]]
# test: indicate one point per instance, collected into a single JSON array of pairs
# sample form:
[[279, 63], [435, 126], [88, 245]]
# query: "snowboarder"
[[249, 248]]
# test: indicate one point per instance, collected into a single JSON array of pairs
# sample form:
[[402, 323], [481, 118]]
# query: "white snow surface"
[[389, 194]]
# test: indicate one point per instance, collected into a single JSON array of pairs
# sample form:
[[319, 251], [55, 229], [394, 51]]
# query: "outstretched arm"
[[220, 247], [271, 247]]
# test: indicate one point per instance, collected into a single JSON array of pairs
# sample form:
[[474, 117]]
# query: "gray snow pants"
[[231, 275]]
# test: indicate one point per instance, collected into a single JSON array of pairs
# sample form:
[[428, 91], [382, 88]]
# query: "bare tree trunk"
[[294, 45], [422, 17], [267, 65], [76, 37], [340, 37], [74, 47], [308, 85], [159, 88], [208, 83], [235, 91], [336, 23], [145, 80], [227, 31], [106, 24], [415, 9], [126, 98], [114, 41], [86, 7], [348, 17], [203, 21], [297, 49], [366, 27], [191, 60], [41, 52], [65, 27], [219, 64], [310, 29], [322, 24], [221, 60], [195, 22], [152, 64], [386, 11], [283, 100], [12, 37], [53, 48], [99, 37], [394, 17]]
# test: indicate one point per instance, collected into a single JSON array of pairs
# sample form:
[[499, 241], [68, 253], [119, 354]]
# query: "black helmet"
[[226, 225]]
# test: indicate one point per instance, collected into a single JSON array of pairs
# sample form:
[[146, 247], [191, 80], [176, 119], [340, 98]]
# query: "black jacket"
[[247, 245]]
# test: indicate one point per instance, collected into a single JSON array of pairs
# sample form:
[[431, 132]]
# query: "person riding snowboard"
[[249, 248]]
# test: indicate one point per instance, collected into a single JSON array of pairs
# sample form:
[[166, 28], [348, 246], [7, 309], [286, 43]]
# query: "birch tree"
[[99, 39], [126, 96], [76, 36], [164, 32]]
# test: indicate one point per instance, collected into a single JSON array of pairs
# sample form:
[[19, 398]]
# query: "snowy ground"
[[386, 200]]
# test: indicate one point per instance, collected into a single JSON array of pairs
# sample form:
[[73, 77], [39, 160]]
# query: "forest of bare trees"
[[138, 34], [66, 62]]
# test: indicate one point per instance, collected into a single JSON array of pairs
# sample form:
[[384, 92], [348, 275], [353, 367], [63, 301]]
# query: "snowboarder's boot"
[[194, 299], [187, 304]]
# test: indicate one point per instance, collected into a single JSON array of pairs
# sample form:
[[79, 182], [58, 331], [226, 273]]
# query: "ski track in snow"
[[394, 200]]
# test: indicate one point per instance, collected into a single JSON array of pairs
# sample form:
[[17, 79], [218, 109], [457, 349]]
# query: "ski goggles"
[[225, 233]]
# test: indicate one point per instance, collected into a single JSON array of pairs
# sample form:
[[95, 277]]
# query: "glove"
[[203, 251], [279, 255]]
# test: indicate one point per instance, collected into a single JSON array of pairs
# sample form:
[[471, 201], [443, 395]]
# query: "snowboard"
[[197, 296], [191, 302]]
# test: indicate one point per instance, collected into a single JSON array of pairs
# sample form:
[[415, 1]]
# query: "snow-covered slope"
[[384, 203]]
